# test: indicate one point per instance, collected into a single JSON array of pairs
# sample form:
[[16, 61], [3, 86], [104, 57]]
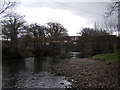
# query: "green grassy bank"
[[109, 57]]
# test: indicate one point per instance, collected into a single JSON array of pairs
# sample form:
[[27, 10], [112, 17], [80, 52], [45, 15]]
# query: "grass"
[[109, 57]]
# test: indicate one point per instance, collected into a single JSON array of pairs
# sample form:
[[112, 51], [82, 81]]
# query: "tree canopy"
[[12, 25], [56, 30], [92, 32]]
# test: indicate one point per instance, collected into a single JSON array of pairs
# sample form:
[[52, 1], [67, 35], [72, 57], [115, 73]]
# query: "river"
[[32, 73]]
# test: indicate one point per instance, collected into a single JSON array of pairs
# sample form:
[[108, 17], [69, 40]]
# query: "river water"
[[32, 73]]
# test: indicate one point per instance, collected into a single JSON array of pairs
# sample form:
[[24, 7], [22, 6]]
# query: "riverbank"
[[88, 73], [108, 57]]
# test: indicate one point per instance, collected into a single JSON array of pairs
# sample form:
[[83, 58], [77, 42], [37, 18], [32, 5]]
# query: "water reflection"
[[75, 54], [13, 67], [32, 72], [10, 70], [43, 64], [38, 65]]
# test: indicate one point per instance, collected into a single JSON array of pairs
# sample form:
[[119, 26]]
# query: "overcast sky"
[[72, 15]]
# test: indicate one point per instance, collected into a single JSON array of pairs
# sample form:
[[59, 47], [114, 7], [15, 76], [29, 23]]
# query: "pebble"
[[90, 73]]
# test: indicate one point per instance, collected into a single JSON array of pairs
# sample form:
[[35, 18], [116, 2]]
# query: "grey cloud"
[[93, 11]]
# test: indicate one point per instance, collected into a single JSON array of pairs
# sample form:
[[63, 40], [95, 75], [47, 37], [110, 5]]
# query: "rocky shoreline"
[[87, 73]]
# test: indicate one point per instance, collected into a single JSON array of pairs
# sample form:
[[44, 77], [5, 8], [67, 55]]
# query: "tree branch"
[[6, 5]]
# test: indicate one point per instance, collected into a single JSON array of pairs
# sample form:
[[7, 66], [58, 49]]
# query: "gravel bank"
[[87, 73]]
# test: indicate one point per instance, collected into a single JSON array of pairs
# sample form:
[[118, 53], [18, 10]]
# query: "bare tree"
[[112, 8], [110, 25], [112, 18], [7, 4], [92, 32], [35, 30], [12, 25], [56, 30]]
